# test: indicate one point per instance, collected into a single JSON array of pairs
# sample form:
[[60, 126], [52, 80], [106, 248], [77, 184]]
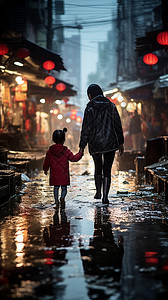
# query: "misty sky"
[[95, 17]]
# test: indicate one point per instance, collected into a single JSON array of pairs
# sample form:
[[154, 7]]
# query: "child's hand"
[[45, 172]]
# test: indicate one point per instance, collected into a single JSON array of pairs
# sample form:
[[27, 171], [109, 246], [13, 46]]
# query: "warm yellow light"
[[120, 98], [116, 95], [110, 91]]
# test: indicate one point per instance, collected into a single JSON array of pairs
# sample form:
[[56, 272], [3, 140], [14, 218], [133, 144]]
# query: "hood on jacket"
[[99, 102], [57, 150]]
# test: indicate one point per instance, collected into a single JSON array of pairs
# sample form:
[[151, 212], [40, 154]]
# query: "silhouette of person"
[[135, 131]]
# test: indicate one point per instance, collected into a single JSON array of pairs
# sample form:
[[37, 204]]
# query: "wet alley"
[[88, 250]]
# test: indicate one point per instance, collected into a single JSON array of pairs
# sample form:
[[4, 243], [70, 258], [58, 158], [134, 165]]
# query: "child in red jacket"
[[57, 160]]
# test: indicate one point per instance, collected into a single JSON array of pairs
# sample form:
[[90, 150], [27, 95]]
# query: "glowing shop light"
[[42, 100], [68, 120], [116, 95], [120, 98], [123, 104], [18, 63], [56, 111], [19, 80], [58, 101], [111, 91], [60, 117]]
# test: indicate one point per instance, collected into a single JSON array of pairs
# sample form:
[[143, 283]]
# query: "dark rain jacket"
[[101, 128], [57, 160]]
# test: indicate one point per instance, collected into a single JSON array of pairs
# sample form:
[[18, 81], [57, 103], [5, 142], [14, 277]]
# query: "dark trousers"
[[103, 163]]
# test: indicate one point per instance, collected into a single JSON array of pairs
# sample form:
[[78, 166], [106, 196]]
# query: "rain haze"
[[96, 19]]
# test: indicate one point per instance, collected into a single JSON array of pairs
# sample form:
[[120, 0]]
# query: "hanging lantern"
[[73, 117], [49, 80], [22, 52], [48, 65], [73, 112], [3, 49], [79, 119], [162, 39], [56, 111], [150, 59], [60, 87]]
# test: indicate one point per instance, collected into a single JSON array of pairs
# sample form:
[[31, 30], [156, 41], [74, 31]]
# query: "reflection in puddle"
[[102, 260], [58, 235], [78, 253]]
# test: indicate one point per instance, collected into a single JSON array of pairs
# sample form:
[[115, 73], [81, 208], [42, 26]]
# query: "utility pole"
[[49, 26]]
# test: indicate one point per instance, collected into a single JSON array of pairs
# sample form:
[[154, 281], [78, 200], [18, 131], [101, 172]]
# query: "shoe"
[[62, 201], [106, 187], [98, 184]]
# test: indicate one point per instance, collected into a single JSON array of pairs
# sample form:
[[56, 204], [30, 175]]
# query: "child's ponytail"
[[59, 136], [65, 129]]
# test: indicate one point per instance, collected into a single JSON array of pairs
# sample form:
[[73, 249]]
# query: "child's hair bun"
[[65, 129]]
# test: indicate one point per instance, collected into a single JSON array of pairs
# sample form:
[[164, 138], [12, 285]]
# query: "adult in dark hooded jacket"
[[102, 131]]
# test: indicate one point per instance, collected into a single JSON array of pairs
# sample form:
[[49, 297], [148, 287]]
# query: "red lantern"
[[60, 87], [56, 111], [49, 80], [162, 39], [150, 59], [73, 112], [3, 49], [79, 119], [22, 52], [48, 65], [73, 117]]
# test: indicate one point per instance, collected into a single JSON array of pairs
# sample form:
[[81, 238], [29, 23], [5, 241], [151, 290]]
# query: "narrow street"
[[88, 250]]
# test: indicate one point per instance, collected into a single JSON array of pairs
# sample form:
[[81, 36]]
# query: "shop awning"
[[37, 54], [33, 71], [136, 89]]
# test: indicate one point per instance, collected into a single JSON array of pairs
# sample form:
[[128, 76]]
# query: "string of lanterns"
[[50, 65], [47, 65], [151, 58]]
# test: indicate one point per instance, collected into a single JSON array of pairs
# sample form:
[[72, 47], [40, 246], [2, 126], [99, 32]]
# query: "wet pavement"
[[88, 250]]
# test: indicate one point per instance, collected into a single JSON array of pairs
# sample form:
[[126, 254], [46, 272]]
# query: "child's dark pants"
[[63, 191]]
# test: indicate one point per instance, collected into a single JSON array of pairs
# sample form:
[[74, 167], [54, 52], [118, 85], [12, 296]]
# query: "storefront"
[[22, 84]]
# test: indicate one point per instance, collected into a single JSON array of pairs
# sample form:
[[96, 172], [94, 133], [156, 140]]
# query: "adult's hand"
[[81, 150], [121, 149]]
